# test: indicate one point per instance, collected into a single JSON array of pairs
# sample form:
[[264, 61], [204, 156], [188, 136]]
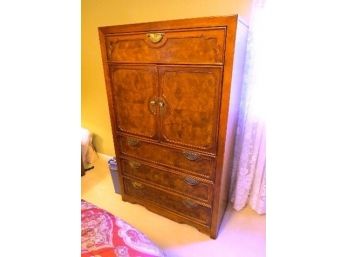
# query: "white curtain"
[[248, 184]]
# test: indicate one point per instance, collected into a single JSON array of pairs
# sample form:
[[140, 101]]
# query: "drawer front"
[[173, 158], [202, 46], [179, 204], [181, 183]]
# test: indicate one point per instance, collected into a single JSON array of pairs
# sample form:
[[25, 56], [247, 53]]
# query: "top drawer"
[[203, 46]]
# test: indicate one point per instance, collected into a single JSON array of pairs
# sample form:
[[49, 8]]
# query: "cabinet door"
[[134, 92], [191, 100]]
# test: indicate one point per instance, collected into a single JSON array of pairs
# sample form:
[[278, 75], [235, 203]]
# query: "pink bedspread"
[[104, 235]]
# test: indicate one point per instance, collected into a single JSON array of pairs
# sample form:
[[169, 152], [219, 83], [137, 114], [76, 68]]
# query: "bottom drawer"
[[179, 204]]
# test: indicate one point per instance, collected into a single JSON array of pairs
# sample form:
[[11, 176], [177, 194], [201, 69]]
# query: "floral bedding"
[[104, 235]]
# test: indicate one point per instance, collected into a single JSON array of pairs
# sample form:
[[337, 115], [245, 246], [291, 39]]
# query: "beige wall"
[[96, 13]]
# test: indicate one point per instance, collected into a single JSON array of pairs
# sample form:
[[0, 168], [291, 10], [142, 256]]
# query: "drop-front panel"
[[173, 92]]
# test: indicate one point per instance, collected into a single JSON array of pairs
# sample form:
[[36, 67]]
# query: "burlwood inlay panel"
[[192, 98], [133, 88]]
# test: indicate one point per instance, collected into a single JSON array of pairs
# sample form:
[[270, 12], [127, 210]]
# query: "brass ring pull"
[[152, 106], [189, 203], [162, 105], [132, 142], [137, 185], [155, 37], [134, 165], [191, 155], [191, 181]]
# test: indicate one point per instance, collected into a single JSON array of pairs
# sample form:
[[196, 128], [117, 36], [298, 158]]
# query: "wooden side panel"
[[236, 39], [109, 93], [133, 88], [192, 100]]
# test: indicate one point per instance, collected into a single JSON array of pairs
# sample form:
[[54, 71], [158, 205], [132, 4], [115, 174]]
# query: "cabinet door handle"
[[162, 105], [134, 165], [132, 142], [191, 181], [152, 106], [191, 155], [189, 203]]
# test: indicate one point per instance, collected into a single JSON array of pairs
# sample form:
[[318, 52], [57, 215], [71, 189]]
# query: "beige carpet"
[[242, 234]]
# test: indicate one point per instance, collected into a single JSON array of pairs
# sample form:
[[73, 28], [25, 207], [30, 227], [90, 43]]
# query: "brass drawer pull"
[[134, 165], [137, 185], [132, 142], [191, 156], [191, 181], [155, 37], [189, 204]]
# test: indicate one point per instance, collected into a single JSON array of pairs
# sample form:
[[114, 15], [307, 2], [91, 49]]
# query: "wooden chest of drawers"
[[173, 91]]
